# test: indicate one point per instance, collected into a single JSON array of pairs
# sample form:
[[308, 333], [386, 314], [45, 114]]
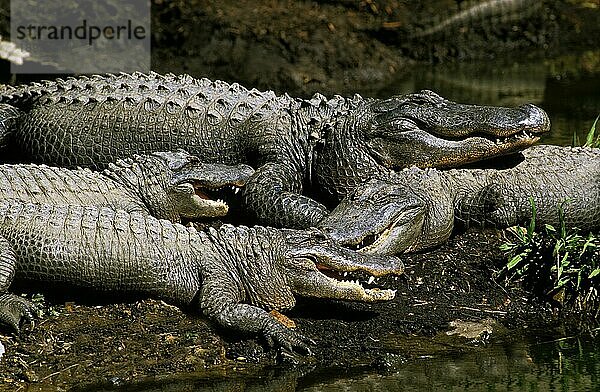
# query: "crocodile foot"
[[277, 334], [15, 310]]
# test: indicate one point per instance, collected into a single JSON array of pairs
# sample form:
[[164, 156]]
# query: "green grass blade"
[[514, 261], [575, 140], [531, 227], [589, 140]]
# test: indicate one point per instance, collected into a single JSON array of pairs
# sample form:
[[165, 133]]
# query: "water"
[[571, 364], [524, 364]]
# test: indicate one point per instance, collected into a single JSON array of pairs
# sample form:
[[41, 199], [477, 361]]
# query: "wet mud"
[[347, 47]]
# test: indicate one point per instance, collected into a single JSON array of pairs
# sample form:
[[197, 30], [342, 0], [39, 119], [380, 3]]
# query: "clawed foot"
[[288, 339], [16, 311]]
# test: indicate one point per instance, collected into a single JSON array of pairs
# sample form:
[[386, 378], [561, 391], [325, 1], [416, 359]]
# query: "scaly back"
[[91, 121]]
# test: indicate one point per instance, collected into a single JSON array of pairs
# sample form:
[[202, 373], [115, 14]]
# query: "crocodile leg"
[[251, 319], [285, 207], [13, 309], [221, 303]]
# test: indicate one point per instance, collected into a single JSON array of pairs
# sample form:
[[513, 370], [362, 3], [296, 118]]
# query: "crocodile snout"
[[536, 120]]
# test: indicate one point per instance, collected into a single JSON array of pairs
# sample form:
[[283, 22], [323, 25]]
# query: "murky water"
[[527, 364], [565, 365]]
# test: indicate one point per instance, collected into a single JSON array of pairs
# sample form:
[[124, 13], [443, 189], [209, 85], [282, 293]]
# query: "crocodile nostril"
[[537, 119]]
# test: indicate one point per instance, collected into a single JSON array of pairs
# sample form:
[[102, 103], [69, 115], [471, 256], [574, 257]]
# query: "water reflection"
[[525, 364], [572, 364]]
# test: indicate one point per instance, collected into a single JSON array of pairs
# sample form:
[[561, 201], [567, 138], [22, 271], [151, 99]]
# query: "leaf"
[[575, 140], [514, 261], [561, 218], [565, 262], [549, 228], [588, 244], [531, 227], [594, 273], [589, 141]]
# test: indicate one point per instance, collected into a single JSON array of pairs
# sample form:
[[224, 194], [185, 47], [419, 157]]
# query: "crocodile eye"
[[426, 97]]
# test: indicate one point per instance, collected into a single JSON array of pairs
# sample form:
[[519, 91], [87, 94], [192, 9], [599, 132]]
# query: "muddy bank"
[[114, 345], [345, 47]]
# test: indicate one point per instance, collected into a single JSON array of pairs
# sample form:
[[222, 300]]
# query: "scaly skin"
[[337, 142], [8, 122], [233, 274], [486, 12], [417, 208], [161, 184]]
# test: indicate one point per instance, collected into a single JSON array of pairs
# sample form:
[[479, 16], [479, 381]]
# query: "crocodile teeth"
[[236, 190], [371, 280]]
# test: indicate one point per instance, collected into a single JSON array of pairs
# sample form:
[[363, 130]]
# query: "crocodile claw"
[[288, 339], [16, 311]]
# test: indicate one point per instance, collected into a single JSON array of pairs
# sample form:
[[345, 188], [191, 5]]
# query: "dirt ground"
[[301, 47], [346, 47]]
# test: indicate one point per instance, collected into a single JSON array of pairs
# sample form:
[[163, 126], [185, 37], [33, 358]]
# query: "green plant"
[[557, 263], [591, 139]]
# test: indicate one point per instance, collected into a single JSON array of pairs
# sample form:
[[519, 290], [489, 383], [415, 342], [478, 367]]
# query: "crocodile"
[[328, 145], [417, 208], [167, 185], [235, 275], [490, 11]]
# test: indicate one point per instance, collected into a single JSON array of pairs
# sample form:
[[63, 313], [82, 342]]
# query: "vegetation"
[[591, 140], [561, 265]]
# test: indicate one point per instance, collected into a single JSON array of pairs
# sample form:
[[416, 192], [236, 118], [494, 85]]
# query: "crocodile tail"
[[484, 13], [8, 121]]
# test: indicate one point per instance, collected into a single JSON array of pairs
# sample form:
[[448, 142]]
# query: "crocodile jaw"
[[192, 203], [200, 207], [434, 151], [311, 282], [394, 239]]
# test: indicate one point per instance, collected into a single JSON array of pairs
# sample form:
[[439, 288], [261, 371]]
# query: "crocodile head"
[[380, 217], [426, 130], [195, 185], [369, 137], [315, 266], [178, 185]]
